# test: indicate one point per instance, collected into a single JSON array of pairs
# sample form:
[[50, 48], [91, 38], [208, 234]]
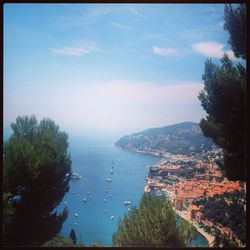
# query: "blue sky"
[[109, 68]]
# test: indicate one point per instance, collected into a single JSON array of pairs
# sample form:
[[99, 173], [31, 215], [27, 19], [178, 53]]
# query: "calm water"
[[92, 159]]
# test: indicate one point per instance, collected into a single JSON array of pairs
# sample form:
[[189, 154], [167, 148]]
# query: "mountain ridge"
[[183, 137]]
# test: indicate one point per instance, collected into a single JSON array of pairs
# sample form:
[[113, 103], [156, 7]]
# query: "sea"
[[95, 219]]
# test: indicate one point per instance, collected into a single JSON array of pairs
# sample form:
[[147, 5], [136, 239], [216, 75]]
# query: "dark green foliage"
[[224, 241], [228, 210], [152, 224], [185, 137], [35, 166], [236, 25], [60, 241], [223, 98]]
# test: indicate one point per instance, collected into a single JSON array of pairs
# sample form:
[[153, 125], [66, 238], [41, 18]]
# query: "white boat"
[[106, 210], [65, 202], [88, 192], [84, 199], [104, 200], [75, 224], [112, 217], [111, 172], [75, 176], [105, 190], [109, 180], [76, 215], [127, 202], [110, 195]]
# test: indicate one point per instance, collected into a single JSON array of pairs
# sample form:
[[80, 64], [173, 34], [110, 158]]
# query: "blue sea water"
[[92, 159]]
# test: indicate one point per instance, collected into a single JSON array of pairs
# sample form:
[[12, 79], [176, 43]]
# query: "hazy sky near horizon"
[[109, 67]]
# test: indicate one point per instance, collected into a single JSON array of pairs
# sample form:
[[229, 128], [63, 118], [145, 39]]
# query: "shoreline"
[[207, 236]]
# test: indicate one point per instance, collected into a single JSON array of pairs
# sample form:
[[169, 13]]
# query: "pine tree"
[[151, 224], [224, 99], [36, 162]]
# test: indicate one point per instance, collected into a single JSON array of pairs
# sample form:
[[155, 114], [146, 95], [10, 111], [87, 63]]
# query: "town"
[[190, 183]]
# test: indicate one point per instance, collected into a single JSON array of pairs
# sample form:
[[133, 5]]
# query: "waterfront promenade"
[[209, 238]]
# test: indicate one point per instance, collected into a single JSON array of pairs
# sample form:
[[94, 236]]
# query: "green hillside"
[[181, 138]]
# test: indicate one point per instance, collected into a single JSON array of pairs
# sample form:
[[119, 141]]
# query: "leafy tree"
[[235, 24], [223, 98], [217, 240], [152, 224], [61, 241], [36, 162]]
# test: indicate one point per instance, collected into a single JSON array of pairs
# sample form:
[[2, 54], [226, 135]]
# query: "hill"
[[181, 138]]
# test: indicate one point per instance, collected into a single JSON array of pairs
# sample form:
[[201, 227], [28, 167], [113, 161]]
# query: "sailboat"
[[111, 171]]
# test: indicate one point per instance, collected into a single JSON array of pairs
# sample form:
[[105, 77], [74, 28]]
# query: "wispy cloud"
[[140, 92], [135, 12], [70, 51], [221, 24], [158, 36], [121, 26], [164, 51], [212, 49], [81, 48], [101, 11]]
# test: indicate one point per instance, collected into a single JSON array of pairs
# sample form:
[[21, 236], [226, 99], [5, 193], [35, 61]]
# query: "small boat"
[[84, 199], [111, 172], [106, 210], [75, 224], [112, 217], [88, 192], [104, 200], [105, 190], [75, 176], [110, 195], [128, 209], [65, 203], [127, 202], [109, 180], [76, 215]]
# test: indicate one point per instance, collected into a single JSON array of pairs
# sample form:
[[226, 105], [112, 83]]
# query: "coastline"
[[208, 237]]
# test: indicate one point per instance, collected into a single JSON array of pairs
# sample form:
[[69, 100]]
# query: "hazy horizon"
[[109, 68]]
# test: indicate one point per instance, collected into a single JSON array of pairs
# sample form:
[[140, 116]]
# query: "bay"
[[96, 219]]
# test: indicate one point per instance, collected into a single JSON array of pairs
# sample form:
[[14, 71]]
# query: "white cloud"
[[135, 12], [141, 92], [70, 51], [121, 26], [80, 48], [164, 51], [110, 104], [212, 49], [159, 37]]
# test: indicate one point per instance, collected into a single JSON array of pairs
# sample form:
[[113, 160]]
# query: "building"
[[227, 231], [199, 216], [178, 202], [192, 210]]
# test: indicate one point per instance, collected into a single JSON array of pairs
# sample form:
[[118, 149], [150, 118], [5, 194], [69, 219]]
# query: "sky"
[[109, 68]]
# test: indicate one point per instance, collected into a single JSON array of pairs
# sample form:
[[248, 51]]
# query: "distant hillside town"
[[190, 177], [181, 138]]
